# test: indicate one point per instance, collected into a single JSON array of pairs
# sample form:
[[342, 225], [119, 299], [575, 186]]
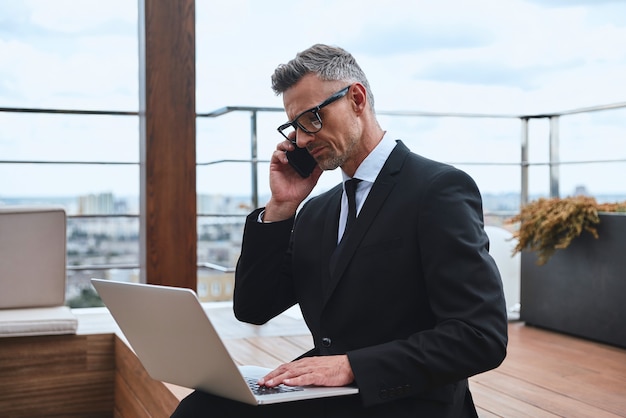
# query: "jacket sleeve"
[[263, 285]]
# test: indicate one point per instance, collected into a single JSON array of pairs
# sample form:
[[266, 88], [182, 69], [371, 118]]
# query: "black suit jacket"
[[411, 294]]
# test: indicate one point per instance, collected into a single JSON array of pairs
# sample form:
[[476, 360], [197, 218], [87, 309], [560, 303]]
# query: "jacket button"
[[326, 342]]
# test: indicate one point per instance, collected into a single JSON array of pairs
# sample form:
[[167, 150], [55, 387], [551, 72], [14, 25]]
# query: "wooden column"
[[167, 107]]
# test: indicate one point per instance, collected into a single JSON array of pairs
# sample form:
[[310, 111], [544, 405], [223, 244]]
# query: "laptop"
[[174, 339]]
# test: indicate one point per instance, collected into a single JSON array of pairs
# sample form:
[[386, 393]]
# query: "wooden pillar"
[[167, 84]]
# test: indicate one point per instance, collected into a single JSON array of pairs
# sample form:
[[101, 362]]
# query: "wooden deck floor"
[[545, 374]]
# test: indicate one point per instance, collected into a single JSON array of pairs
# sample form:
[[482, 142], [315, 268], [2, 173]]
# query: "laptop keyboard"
[[264, 390]]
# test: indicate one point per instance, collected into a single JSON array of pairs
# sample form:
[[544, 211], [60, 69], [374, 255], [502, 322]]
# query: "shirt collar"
[[374, 162]]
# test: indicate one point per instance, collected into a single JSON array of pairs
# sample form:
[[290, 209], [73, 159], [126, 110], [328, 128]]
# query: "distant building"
[[581, 190], [96, 204]]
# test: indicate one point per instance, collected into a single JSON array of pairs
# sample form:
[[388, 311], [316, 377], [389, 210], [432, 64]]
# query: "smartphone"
[[301, 161]]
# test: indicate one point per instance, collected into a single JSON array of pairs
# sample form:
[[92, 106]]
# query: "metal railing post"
[[254, 160], [554, 156], [524, 163]]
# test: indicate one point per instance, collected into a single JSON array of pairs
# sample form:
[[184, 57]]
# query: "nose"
[[302, 138]]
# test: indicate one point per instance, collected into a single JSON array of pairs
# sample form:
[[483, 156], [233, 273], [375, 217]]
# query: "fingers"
[[279, 155], [318, 371], [285, 146]]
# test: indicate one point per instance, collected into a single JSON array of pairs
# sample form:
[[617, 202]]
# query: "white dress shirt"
[[367, 172]]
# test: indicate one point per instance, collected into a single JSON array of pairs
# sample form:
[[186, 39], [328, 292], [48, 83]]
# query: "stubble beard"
[[335, 160], [332, 162]]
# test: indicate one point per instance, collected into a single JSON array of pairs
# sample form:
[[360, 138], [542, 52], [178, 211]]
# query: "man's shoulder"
[[416, 162]]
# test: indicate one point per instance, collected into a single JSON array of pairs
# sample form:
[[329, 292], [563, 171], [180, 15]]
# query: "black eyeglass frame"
[[315, 110]]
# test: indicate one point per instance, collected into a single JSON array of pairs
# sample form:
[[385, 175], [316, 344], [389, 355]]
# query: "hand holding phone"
[[301, 161]]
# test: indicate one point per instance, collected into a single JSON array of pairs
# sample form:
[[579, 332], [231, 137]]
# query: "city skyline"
[[239, 205]]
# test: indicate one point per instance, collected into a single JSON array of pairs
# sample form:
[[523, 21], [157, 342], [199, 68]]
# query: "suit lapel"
[[381, 189], [329, 234], [331, 225]]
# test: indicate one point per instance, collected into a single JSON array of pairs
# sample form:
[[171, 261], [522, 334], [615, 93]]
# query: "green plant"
[[546, 225], [88, 298]]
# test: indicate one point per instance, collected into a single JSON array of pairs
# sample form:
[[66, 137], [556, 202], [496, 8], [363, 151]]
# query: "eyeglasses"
[[309, 120]]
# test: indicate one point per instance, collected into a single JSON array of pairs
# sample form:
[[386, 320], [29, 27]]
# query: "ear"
[[358, 96]]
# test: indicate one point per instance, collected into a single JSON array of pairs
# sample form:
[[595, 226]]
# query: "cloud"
[[406, 37], [493, 73], [84, 15], [598, 12], [66, 54], [572, 3]]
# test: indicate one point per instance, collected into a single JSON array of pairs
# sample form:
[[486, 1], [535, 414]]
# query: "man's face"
[[336, 141]]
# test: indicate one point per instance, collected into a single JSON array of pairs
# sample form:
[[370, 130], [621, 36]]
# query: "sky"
[[514, 57]]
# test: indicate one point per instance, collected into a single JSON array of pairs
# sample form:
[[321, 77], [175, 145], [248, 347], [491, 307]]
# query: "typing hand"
[[318, 371]]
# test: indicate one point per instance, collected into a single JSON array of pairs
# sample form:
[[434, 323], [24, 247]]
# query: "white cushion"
[[32, 256], [501, 246], [37, 321]]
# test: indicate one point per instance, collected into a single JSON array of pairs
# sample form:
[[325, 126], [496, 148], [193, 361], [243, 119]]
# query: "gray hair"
[[329, 63]]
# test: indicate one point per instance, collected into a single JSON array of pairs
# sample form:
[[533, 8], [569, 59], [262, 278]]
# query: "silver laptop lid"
[[175, 341], [173, 337]]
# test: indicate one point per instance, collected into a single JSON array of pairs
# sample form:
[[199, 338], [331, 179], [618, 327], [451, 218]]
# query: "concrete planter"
[[581, 290]]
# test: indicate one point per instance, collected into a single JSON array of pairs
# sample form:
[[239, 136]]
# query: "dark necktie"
[[351, 195]]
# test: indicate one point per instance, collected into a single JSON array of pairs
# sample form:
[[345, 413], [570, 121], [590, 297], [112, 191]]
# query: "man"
[[406, 304]]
